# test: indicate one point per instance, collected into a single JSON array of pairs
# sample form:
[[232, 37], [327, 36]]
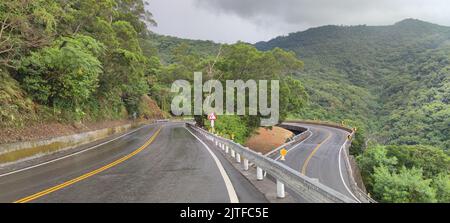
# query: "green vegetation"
[[166, 46], [386, 76], [56, 76], [230, 126], [14, 103], [73, 60], [238, 61], [90, 60], [393, 84], [406, 173], [404, 187]]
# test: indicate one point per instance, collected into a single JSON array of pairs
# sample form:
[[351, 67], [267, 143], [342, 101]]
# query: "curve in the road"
[[305, 164], [320, 157], [69, 155], [90, 174], [176, 167], [230, 189]]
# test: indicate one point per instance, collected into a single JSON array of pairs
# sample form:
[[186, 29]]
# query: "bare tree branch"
[[211, 69], [78, 28], [6, 63], [4, 41], [7, 50], [4, 27]]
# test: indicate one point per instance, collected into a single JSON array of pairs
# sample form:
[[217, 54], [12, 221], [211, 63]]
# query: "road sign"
[[283, 153], [212, 117]]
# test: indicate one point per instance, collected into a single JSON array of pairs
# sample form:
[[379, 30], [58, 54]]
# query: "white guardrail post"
[[259, 173], [238, 158], [299, 184], [245, 164], [280, 190]]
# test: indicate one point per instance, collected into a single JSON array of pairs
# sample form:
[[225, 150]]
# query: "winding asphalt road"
[[156, 163], [319, 157]]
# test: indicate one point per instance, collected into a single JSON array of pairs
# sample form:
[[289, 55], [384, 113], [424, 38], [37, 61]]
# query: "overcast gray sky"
[[228, 21]]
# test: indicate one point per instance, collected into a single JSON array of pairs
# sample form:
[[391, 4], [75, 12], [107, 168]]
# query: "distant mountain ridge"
[[392, 81], [406, 26], [393, 78]]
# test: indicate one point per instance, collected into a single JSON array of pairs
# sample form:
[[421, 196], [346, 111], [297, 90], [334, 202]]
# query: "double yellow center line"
[[92, 173], [305, 165]]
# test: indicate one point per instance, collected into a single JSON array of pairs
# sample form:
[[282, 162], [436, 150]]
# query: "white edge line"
[[339, 163], [294, 147], [70, 155], [231, 192], [342, 178]]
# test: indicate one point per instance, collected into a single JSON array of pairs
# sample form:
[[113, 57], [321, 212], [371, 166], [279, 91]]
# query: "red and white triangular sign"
[[212, 116]]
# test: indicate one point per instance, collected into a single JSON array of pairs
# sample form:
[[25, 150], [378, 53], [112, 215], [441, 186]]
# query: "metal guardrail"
[[357, 191], [295, 139], [302, 185]]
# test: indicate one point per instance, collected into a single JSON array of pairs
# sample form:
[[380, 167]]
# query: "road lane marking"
[[305, 165], [230, 189], [342, 178], [295, 146], [92, 173], [70, 155], [339, 164]]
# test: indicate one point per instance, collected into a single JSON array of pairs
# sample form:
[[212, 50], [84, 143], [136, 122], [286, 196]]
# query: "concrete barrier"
[[333, 125], [293, 128], [302, 185], [12, 152]]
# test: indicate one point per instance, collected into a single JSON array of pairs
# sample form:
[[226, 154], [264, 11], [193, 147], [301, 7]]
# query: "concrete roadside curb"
[[20, 151]]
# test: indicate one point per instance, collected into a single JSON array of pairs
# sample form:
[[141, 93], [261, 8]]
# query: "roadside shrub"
[[65, 74]]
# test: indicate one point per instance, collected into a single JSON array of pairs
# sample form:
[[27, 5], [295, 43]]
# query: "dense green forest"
[[393, 82], [393, 78], [166, 47], [87, 61], [93, 60], [238, 61], [73, 61]]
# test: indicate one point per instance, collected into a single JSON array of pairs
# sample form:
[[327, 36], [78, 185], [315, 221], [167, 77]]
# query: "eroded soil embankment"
[[268, 139]]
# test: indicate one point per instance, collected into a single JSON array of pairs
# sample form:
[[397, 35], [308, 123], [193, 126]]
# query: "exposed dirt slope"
[[267, 140]]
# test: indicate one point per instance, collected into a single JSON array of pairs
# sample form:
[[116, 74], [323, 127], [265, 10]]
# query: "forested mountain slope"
[[73, 61], [166, 46], [395, 79], [93, 60]]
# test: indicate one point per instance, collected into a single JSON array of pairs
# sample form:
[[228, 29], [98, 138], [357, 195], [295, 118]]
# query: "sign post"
[[212, 117], [283, 153]]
